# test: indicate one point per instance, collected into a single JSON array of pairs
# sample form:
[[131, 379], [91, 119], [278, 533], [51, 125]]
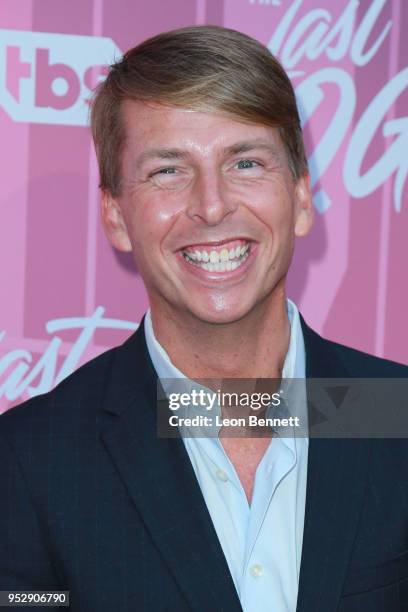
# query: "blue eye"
[[167, 171], [245, 164]]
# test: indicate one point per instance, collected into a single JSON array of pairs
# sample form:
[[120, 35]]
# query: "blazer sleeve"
[[25, 559]]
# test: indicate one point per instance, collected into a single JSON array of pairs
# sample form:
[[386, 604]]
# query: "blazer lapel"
[[337, 472], [161, 482]]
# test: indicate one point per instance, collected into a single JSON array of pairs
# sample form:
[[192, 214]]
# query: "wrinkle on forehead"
[[244, 146], [178, 133]]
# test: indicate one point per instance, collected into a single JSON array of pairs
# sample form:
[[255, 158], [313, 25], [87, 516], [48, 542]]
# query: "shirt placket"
[[276, 464]]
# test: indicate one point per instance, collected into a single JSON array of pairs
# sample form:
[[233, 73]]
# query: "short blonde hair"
[[205, 68]]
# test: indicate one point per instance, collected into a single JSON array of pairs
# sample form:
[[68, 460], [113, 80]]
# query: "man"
[[204, 178]]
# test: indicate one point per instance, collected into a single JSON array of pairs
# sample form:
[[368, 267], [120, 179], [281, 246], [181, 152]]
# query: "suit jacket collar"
[[337, 472], [161, 481]]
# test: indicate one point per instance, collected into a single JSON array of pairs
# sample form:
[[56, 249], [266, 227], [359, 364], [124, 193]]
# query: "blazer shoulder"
[[110, 380], [84, 387], [327, 358], [363, 364]]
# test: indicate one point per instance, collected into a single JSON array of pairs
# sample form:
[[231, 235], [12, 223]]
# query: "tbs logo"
[[48, 78]]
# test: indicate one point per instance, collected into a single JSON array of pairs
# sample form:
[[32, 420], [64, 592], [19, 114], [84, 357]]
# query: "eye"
[[170, 177], [246, 164], [169, 170]]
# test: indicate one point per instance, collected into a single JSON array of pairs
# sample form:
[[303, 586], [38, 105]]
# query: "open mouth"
[[222, 257]]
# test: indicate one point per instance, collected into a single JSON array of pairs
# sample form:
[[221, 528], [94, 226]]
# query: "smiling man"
[[210, 208], [204, 179]]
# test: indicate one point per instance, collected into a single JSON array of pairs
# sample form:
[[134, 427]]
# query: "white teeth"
[[218, 261], [221, 266]]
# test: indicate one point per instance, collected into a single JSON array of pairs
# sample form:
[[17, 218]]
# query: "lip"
[[219, 277], [216, 243]]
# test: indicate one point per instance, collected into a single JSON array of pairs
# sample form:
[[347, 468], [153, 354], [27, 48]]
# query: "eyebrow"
[[243, 146], [161, 153], [249, 145]]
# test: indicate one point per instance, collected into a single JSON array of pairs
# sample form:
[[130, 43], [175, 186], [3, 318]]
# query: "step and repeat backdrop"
[[67, 296]]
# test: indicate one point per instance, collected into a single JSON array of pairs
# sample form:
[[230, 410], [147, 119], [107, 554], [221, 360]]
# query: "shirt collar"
[[294, 366]]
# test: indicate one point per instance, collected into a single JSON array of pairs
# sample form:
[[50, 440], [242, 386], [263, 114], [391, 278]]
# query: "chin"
[[220, 316]]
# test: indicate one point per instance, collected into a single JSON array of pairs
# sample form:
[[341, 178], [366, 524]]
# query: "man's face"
[[209, 208]]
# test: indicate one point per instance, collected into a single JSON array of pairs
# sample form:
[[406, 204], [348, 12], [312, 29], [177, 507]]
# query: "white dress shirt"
[[262, 542]]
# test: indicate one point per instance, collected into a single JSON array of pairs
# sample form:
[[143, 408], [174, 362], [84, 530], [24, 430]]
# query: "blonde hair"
[[204, 68]]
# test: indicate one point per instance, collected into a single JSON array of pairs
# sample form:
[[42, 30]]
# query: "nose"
[[210, 200]]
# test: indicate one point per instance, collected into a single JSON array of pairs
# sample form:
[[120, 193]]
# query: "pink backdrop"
[[66, 296]]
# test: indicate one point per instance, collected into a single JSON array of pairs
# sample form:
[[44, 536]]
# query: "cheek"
[[150, 220], [275, 215], [283, 208], [271, 201]]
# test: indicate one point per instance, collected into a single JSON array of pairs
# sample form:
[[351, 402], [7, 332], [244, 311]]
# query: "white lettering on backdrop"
[[20, 371], [315, 34]]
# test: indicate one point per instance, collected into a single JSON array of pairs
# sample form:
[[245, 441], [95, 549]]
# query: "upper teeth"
[[217, 256]]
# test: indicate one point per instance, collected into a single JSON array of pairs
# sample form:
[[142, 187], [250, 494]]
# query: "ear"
[[113, 223], [304, 211]]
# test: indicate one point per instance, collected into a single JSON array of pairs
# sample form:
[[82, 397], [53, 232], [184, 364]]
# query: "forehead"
[[151, 125]]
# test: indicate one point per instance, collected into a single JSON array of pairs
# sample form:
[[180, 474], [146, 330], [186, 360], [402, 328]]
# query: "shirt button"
[[256, 570], [223, 476]]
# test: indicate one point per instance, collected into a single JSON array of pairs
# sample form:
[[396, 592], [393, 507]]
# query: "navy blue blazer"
[[94, 503]]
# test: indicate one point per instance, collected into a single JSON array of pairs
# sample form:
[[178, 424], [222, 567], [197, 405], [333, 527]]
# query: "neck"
[[253, 347]]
